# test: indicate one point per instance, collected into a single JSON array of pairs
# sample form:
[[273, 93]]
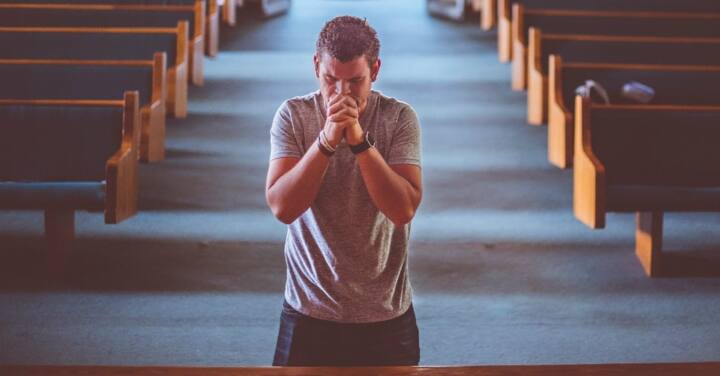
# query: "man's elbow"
[[283, 215], [280, 211], [403, 218]]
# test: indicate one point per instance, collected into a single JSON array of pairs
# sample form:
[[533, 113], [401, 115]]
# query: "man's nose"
[[342, 87]]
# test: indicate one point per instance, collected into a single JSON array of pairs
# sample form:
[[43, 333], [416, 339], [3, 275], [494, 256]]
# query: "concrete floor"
[[502, 271]]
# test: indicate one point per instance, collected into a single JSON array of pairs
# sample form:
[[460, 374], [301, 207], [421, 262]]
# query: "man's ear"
[[375, 70], [316, 62]]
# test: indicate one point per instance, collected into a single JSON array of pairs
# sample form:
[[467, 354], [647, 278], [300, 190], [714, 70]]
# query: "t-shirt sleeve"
[[405, 145], [283, 142]]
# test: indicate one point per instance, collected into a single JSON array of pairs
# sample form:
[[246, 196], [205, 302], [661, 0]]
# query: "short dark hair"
[[346, 38]]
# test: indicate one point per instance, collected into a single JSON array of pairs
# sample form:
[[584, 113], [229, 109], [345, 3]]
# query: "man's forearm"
[[292, 194], [391, 193]]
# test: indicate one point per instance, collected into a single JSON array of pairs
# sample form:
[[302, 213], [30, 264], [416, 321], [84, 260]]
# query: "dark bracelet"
[[328, 153]]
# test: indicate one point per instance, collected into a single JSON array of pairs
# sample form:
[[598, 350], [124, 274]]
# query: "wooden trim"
[[519, 49], [623, 14], [504, 31], [589, 181], [196, 51], [638, 369], [644, 67], [143, 7], [229, 12], [648, 241], [212, 32], [176, 103], [537, 100], [624, 38], [122, 168], [152, 139], [488, 18], [655, 107], [118, 30], [137, 63], [62, 102], [560, 126]]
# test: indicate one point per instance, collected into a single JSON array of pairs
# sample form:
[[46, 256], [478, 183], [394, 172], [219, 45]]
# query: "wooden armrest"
[[122, 168], [589, 179]]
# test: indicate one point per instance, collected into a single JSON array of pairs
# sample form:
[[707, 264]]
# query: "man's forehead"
[[355, 67]]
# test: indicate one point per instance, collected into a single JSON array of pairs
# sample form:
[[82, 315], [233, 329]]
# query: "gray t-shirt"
[[346, 261]]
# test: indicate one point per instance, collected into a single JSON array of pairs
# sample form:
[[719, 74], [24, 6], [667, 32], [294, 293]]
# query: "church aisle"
[[503, 273]]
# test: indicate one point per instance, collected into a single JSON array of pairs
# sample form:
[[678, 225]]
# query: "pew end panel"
[[212, 28], [178, 75], [518, 44], [504, 31], [560, 119], [152, 137], [488, 19], [229, 12], [197, 46], [122, 168], [589, 178], [537, 99]]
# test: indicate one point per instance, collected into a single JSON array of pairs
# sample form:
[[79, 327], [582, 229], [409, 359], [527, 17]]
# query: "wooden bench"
[[212, 19], [625, 23], [488, 17], [95, 79], [645, 159], [505, 21], [673, 84], [607, 49], [651, 369], [107, 44], [60, 156], [108, 15]]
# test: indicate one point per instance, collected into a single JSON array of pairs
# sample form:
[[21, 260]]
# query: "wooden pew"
[[107, 44], [607, 49], [60, 156], [673, 84], [109, 15], [229, 12], [550, 21], [212, 19], [505, 21], [95, 79], [646, 159], [488, 17], [638, 369]]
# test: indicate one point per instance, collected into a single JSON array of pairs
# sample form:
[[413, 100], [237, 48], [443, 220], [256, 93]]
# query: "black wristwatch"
[[367, 143]]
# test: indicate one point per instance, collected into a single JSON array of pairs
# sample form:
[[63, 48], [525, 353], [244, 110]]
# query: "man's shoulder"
[[392, 106], [301, 103]]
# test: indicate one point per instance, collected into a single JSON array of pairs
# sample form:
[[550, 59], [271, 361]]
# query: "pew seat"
[[114, 15], [610, 49], [673, 85], [114, 44], [646, 159], [622, 23], [91, 79], [60, 156]]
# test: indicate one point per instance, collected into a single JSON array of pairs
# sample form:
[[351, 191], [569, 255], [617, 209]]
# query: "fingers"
[[344, 108], [339, 102]]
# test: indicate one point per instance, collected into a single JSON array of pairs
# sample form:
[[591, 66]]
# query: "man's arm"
[[396, 190], [293, 183]]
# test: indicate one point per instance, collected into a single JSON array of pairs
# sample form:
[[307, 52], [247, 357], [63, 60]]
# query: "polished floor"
[[503, 273]]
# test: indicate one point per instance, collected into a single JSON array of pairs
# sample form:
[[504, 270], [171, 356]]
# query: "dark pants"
[[305, 341]]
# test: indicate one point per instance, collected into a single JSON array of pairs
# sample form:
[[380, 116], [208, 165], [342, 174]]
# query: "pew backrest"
[[75, 154]]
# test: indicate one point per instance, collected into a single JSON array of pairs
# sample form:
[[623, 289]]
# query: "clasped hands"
[[342, 121]]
